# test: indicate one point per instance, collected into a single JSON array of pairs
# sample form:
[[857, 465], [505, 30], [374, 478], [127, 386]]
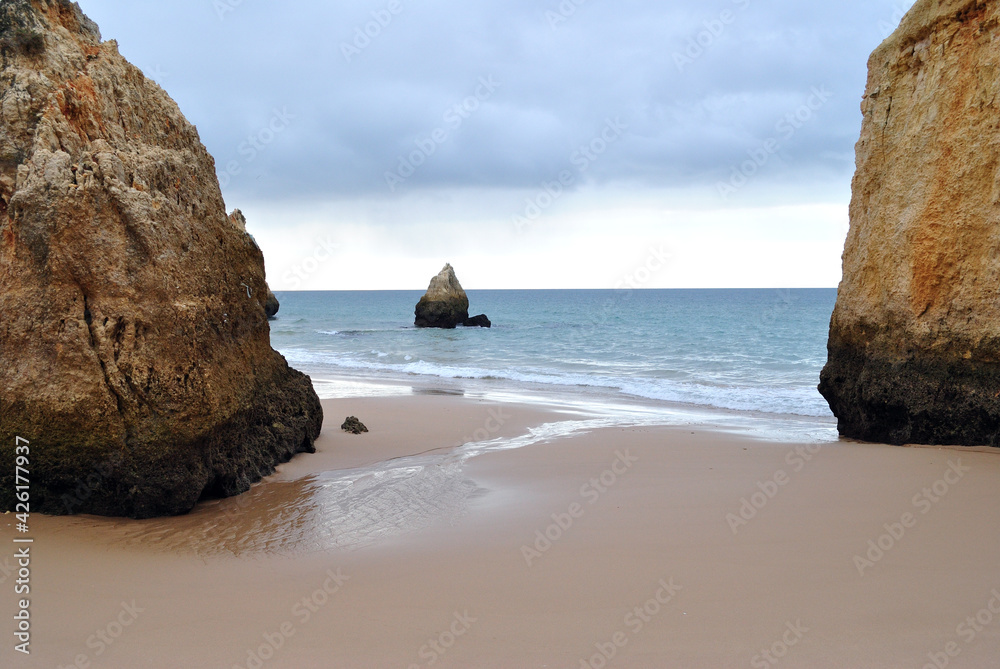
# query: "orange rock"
[[135, 359], [914, 350]]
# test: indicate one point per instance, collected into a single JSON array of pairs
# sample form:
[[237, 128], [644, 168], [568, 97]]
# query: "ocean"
[[755, 351]]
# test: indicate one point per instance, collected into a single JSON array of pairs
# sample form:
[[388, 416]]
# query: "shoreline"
[[586, 400], [383, 549], [322, 334]]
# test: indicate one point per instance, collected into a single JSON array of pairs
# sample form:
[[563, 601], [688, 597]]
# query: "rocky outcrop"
[[270, 302], [445, 304], [136, 349], [271, 305], [353, 426], [480, 321], [914, 348]]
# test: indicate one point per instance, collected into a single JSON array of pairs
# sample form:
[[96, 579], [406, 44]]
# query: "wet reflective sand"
[[347, 509], [547, 532]]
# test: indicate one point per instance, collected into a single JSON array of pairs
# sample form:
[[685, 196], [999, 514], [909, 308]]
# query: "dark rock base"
[[271, 305], [447, 316], [440, 314], [480, 321], [937, 402], [77, 472]]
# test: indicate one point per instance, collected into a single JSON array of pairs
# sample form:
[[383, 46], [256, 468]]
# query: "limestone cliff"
[[135, 346], [914, 349]]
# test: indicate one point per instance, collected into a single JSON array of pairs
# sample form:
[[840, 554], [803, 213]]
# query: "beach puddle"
[[342, 510], [441, 392], [335, 510]]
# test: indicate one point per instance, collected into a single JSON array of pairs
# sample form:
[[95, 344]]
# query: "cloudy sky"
[[531, 143]]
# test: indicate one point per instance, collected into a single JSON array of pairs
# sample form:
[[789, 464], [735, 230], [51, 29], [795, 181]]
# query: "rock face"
[[914, 349], [353, 425], [271, 304], [480, 321], [445, 305], [135, 345]]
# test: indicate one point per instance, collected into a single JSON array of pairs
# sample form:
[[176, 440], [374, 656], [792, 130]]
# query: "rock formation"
[[480, 321], [445, 305], [914, 349], [353, 425], [136, 350], [271, 305], [270, 302]]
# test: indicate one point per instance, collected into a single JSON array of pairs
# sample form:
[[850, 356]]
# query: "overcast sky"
[[531, 143]]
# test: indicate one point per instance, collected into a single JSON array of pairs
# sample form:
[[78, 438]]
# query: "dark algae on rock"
[[353, 425], [135, 344]]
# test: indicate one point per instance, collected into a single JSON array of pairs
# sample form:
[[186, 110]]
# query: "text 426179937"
[[22, 552]]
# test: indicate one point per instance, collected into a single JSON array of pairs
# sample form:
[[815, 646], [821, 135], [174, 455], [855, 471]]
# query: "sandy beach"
[[645, 307], [549, 542]]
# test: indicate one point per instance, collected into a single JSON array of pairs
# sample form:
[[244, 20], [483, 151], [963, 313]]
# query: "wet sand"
[[651, 546]]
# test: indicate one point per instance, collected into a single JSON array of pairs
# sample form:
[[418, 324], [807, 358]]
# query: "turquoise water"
[[744, 350]]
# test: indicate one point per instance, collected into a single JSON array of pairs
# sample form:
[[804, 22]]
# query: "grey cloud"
[[688, 124]]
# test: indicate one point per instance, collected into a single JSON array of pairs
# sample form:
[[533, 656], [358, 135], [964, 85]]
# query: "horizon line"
[[405, 290]]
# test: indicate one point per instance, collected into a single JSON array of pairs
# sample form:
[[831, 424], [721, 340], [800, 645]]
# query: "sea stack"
[[914, 348], [445, 304], [137, 366]]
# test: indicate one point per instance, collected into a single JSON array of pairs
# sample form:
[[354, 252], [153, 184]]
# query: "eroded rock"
[[136, 349], [271, 305], [445, 304], [914, 349], [353, 425], [480, 321]]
